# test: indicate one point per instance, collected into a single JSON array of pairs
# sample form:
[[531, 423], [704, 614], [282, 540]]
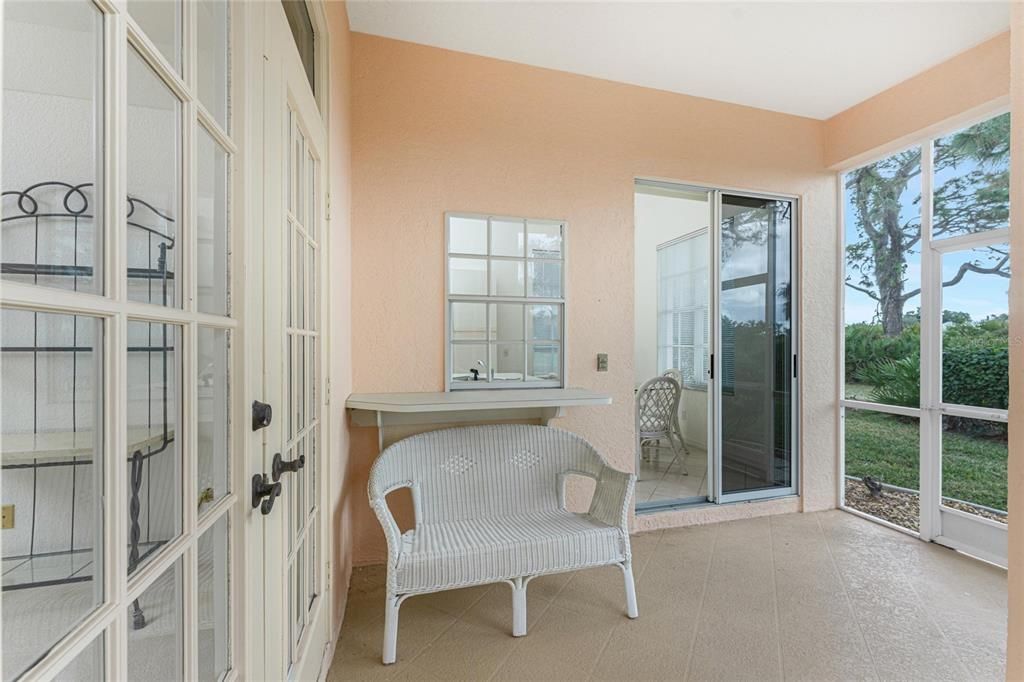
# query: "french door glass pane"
[[154, 177], [155, 633], [301, 26], [974, 466], [883, 276], [212, 225], [154, 454], [52, 458], [883, 469], [212, 18], [214, 425], [756, 337], [975, 327], [161, 21], [213, 618], [87, 666], [52, 157], [972, 179]]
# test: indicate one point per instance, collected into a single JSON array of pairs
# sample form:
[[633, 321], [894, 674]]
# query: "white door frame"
[[265, 635]]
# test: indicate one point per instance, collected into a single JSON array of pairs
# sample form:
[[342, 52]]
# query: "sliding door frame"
[[714, 426]]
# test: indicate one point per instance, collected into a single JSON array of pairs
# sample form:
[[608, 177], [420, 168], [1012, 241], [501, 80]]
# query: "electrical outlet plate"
[[8, 516], [602, 362]]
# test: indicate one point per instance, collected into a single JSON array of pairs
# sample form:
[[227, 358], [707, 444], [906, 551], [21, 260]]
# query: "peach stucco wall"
[[905, 112], [435, 130], [1015, 634], [342, 502]]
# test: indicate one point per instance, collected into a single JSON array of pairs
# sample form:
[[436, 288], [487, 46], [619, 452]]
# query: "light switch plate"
[[602, 362], [8, 517]]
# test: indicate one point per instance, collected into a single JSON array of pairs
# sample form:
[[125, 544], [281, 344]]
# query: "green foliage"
[[976, 376], [867, 345], [896, 382], [975, 363]]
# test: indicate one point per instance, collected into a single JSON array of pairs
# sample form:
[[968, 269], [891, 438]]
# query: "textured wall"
[[343, 495], [1015, 634], [971, 79], [435, 130]]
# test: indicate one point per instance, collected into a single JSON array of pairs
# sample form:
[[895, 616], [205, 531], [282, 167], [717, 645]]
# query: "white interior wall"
[[661, 216]]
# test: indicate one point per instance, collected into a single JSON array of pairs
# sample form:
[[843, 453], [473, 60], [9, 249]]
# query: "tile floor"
[[661, 477], [825, 596]]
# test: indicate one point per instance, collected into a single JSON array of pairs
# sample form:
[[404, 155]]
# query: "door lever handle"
[[264, 493], [280, 466]]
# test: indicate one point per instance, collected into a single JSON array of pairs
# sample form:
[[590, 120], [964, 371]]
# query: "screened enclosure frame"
[[110, 622], [971, 533]]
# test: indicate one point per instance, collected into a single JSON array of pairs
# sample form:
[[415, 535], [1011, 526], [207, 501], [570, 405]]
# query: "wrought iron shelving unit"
[[43, 209]]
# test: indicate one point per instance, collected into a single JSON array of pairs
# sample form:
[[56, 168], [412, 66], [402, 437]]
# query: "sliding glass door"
[[755, 377], [714, 310]]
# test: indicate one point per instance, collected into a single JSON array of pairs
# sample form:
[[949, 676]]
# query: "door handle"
[[280, 466], [264, 493], [262, 414]]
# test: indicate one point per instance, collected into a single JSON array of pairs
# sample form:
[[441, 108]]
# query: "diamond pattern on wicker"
[[524, 459], [457, 464]]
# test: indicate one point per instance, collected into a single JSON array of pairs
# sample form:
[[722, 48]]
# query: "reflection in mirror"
[[507, 278], [52, 458], [544, 240], [467, 276], [543, 361], [508, 361], [468, 321], [507, 237], [470, 362], [467, 235], [506, 322], [545, 279], [543, 322]]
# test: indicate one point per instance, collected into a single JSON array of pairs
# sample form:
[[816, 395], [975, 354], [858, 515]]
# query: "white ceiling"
[[806, 58]]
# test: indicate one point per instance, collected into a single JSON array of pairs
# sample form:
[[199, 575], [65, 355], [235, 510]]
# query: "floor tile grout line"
[[848, 599], [775, 598], [700, 608], [455, 620]]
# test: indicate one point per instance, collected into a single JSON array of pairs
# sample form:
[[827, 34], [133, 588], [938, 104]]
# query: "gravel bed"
[[902, 507]]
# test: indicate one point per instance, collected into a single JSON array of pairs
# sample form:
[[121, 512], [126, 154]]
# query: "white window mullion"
[[930, 425]]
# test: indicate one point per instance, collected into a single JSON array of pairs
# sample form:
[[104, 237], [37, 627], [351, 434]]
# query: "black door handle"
[[264, 490], [279, 466], [262, 414]]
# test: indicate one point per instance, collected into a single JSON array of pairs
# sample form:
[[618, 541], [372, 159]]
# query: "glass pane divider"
[[187, 234], [220, 136], [190, 610], [156, 60], [968, 241]]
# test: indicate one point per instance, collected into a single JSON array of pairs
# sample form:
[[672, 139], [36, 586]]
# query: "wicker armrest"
[[610, 504], [387, 523]]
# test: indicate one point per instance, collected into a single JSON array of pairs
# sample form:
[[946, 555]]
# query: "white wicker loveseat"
[[490, 507]]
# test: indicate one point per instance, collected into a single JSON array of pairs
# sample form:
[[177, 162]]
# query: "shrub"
[[976, 376], [896, 382], [867, 345]]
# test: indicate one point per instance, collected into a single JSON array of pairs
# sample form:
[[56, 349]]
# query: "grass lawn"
[[886, 447]]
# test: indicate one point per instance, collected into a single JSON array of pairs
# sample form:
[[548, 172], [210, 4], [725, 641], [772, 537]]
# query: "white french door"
[[288, 523], [120, 449]]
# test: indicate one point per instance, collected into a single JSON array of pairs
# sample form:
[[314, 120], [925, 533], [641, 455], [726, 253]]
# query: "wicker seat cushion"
[[470, 551]]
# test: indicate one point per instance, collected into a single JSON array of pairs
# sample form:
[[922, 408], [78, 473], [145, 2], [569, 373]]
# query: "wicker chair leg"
[[391, 607], [518, 607], [627, 574]]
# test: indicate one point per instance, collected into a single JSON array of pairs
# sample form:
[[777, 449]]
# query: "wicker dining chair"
[[680, 412], [657, 415]]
